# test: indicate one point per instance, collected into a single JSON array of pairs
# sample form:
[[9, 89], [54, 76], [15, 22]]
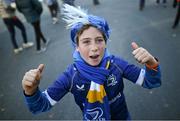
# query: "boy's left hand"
[[142, 55]]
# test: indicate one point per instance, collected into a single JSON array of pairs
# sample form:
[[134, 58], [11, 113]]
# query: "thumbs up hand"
[[142, 55], [31, 80]]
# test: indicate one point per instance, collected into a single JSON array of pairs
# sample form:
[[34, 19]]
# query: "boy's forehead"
[[91, 31]]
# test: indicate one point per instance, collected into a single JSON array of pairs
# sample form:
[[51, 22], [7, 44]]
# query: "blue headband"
[[76, 18]]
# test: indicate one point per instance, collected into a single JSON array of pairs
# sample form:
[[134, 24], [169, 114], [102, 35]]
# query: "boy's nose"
[[94, 48]]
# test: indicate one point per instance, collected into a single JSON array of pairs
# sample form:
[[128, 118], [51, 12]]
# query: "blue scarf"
[[96, 104]]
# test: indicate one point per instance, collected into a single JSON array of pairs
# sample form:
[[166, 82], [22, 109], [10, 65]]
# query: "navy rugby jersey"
[[71, 81]]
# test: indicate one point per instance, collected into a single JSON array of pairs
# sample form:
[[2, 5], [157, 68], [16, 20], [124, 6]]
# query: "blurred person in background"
[[69, 2], [96, 2], [53, 7], [7, 13], [158, 1], [142, 4], [32, 10], [163, 1], [176, 21]]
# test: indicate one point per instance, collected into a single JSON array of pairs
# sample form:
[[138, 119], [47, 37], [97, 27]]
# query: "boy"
[[96, 77]]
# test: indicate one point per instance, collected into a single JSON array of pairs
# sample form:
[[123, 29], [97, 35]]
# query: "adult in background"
[[7, 13], [158, 1], [96, 2], [176, 21], [69, 2], [53, 7], [164, 2], [142, 4], [32, 10]]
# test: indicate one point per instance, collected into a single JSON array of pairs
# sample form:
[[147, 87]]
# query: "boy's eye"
[[99, 40], [86, 42]]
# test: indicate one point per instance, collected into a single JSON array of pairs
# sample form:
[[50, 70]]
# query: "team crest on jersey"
[[111, 80], [80, 88]]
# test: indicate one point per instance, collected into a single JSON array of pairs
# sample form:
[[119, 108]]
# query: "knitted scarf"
[[96, 104]]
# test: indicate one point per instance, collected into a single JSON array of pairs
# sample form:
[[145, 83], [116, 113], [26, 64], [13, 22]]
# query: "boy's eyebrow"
[[100, 37], [87, 38]]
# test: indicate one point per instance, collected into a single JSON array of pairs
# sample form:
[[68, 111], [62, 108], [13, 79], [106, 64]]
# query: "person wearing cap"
[[96, 76]]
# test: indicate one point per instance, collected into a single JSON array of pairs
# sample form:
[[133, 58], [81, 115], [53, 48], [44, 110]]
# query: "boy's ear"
[[77, 49]]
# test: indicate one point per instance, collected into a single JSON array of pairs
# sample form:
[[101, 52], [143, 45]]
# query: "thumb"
[[41, 67], [134, 45]]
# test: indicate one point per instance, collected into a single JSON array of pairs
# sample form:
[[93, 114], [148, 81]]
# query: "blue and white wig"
[[76, 18]]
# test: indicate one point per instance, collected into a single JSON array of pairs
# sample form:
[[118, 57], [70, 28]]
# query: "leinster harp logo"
[[111, 80]]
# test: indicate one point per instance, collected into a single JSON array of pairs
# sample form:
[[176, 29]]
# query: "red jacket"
[[178, 0]]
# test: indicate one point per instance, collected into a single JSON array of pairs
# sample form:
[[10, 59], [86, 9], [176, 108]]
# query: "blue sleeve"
[[41, 102], [152, 78], [38, 102], [148, 78], [61, 86], [129, 71]]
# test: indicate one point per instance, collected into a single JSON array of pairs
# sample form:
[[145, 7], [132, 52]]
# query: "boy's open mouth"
[[94, 56]]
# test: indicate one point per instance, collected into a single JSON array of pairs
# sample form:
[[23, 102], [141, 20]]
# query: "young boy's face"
[[91, 46]]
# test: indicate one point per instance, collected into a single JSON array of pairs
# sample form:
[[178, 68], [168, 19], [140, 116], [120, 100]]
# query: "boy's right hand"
[[31, 80]]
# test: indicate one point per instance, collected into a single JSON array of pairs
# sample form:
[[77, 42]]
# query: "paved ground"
[[150, 28]]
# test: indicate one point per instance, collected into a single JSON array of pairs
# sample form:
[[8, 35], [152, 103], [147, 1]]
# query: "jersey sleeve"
[[60, 87], [145, 77], [38, 102], [152, 78], [43, 101]]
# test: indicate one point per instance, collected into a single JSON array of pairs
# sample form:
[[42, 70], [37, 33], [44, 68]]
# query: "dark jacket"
[[31, 9]]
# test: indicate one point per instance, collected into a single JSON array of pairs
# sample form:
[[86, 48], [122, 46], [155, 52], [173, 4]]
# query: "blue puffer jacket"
[[31, 9], [72, 81]]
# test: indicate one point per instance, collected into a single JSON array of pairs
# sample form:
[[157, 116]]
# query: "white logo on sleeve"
[[80, 88]]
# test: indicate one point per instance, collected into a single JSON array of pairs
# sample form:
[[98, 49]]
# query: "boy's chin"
[[94, 64]]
